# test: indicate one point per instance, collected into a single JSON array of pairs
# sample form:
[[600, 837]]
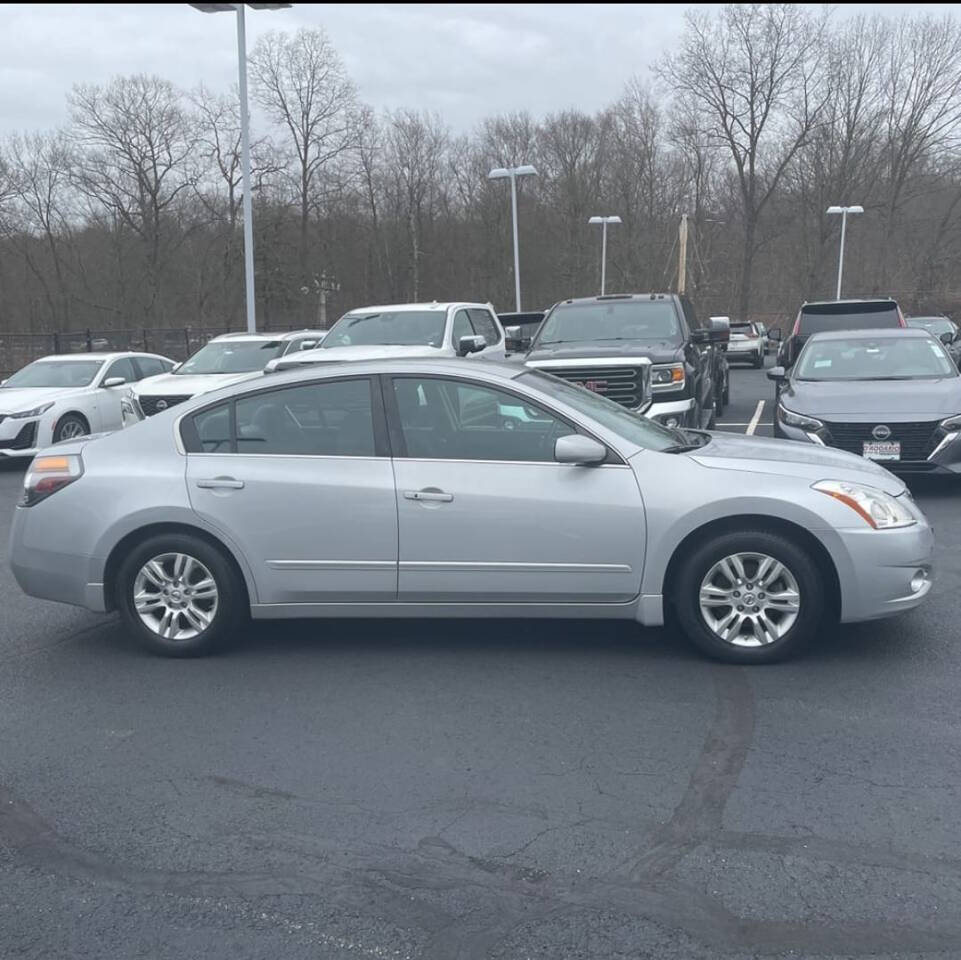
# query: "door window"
[[331, 418], [462, 327], [151, 366], [484, 324], [122, 368], [443, 419]]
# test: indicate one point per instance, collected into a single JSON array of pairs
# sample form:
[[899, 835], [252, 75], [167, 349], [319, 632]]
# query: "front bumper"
[[18, 438], [888, 571], [679, 410], [944, 460]]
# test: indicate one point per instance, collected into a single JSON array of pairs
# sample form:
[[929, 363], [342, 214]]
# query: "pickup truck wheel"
[[759, 361], [749, 596]]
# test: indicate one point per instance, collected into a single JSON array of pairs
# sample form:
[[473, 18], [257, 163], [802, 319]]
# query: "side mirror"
[[947, 338], [176, 367], [778, 374], [114, 382], [579, 449], [701, 336], [720, 330], [775, 334], [468, 345]]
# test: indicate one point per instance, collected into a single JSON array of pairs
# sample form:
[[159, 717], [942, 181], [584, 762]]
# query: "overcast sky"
[[465, 61]]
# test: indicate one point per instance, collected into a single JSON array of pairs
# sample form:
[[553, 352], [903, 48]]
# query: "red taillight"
[[901, 320], [797, 326], [47, 475]]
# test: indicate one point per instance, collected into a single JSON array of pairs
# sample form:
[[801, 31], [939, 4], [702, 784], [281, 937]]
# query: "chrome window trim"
[[516, 463]]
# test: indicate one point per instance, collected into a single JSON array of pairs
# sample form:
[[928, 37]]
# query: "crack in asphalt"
[[497, 896]]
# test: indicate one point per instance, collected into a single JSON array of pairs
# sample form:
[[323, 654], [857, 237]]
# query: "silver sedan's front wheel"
[[751, 595], [749, 599], [175, 596]]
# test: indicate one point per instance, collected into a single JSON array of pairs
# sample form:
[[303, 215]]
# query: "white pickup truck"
[[456, 329]]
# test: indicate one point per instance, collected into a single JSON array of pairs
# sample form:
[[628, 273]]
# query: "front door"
[[300, 478], [485, 513]]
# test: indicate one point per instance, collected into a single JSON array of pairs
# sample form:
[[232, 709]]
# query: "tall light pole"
[[844, 211], [604, 221], [244, 142], [500, 173]]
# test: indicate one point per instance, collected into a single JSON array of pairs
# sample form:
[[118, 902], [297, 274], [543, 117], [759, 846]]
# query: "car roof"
[[886, 301], [909, 333], [306, 373], [242, 335], [618, 296], [102, 355], [433, 305], [929, 316]]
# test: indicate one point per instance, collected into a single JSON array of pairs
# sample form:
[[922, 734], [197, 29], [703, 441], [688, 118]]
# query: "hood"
[[734, 451], [658, 351], [875, 400], [16, 399], [172, 385]]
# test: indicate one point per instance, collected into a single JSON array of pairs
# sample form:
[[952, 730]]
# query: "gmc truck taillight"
[[47, 475]]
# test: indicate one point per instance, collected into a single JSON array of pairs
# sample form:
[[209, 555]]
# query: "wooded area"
[[760, 118]]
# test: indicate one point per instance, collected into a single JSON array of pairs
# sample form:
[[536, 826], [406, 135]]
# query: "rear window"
[[818, 318], [748, 329]]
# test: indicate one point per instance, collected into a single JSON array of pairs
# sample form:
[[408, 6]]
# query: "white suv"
[[226, 359], [458, 329]]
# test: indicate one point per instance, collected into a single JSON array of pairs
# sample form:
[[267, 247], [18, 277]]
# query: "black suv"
[[837, 315], [649, 352]]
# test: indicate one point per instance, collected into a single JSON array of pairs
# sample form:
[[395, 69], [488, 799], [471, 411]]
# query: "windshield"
[[56, 373], [631, 426], [883, 358], [231, 356], [869, 316], [401, 328], [611, 320], [935, 325]]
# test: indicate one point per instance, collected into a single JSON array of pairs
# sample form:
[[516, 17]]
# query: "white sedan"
[[61, 397]]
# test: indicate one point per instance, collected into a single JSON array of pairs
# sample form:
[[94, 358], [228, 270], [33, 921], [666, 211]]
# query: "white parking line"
[[752, 426]]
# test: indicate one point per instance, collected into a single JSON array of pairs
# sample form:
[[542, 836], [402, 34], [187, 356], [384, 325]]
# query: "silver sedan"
[[448, 488]]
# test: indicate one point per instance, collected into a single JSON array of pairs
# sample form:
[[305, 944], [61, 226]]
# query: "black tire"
[[758, 361], [799, 563], [69, 426], [712, 420], [230, 612]]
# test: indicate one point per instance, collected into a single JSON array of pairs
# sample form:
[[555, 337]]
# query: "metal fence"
[[178, 343]]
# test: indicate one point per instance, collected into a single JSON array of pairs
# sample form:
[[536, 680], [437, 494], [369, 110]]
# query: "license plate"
[[888, 450]]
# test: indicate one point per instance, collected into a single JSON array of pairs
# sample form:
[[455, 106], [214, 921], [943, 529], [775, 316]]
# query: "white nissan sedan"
[[63, 397]]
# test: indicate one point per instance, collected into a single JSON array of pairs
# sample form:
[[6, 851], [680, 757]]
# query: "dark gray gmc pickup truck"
[[647, 351]]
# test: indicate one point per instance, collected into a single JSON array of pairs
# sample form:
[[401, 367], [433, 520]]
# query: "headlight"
[[796, 420], [878, 509], [35, 412], [952, 423], [667, 376]]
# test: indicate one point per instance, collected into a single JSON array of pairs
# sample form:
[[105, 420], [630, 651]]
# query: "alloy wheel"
[[175, 596], [70, 429], [749, 599]]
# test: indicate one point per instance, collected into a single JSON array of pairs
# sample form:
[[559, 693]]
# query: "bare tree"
[[136, 157], [302, 84], [751, 71]]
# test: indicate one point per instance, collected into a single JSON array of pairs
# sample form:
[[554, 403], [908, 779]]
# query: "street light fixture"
[[501, 173], [844, 211], [238, 8], [604, 221]]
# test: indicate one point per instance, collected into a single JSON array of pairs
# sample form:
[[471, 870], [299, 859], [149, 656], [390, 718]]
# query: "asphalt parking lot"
[[468, 790]]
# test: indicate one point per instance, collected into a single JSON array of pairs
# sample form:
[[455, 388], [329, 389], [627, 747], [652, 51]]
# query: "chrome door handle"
[[435, 495], [221, 483]]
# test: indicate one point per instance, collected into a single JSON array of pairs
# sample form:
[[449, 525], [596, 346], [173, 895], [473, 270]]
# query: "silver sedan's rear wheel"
[[749, 599], [751, 596], [180, 595], [176, 596]]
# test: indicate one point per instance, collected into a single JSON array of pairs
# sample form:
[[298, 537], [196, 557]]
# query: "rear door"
[[299, 476], [485, 514]]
